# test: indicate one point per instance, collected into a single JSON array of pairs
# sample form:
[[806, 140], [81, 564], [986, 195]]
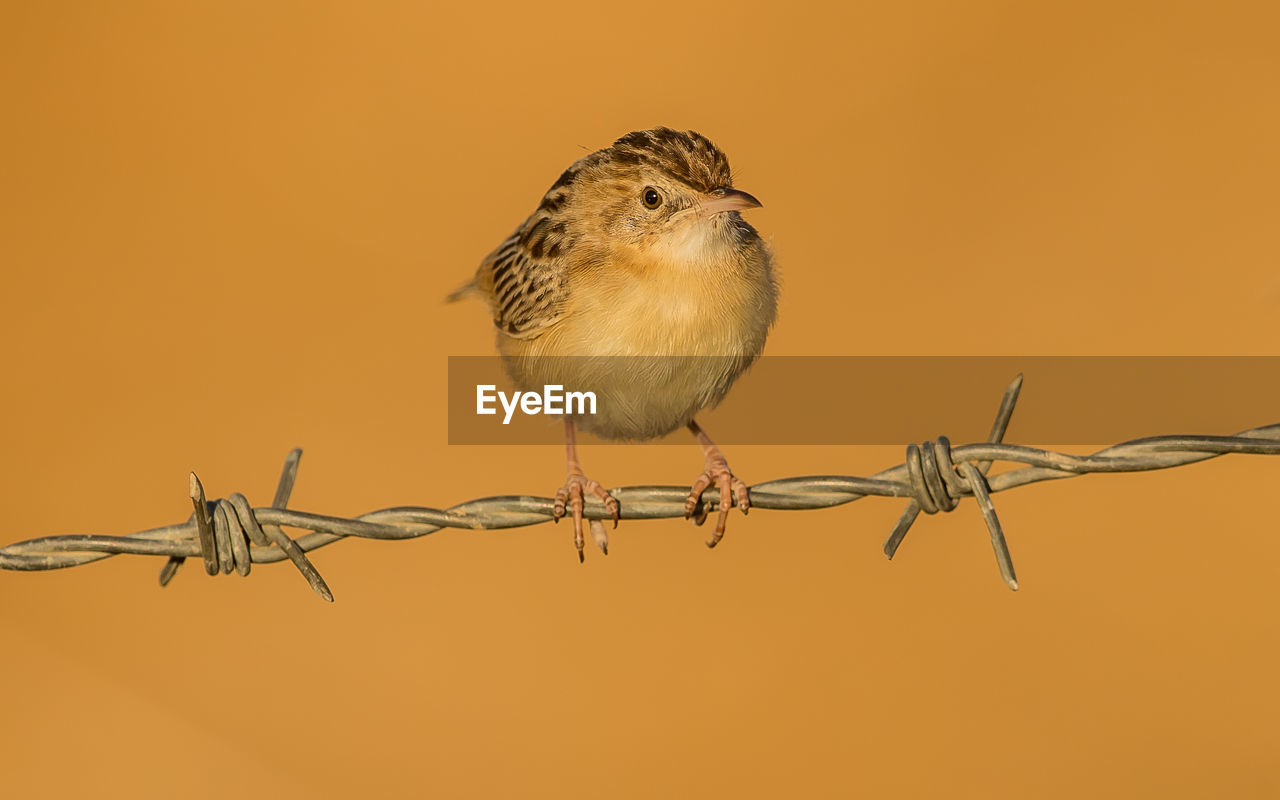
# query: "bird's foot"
[[570, 498], [716, 472]]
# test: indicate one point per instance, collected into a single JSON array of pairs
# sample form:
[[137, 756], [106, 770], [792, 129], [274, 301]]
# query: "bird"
[[636, 277]]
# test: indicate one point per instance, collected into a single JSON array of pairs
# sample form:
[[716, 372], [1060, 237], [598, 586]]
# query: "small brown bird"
[[636, 278]]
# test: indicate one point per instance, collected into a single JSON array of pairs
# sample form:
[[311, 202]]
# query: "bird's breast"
[[656, 342], [672, 303]]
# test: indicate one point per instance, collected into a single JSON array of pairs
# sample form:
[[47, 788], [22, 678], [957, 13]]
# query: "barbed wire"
[[230, 535]]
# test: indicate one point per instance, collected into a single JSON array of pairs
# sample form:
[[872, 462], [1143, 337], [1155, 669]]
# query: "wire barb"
[[228, 528], [229, 534], [933, 478]]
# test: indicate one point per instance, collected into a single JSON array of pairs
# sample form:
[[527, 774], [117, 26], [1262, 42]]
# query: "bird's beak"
[[723, 199]]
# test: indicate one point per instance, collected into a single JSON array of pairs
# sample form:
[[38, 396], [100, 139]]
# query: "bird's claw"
[[731, 486], [570, 499]]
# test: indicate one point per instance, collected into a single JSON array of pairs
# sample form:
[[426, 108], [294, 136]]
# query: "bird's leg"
[[716, 472], [571, 495]]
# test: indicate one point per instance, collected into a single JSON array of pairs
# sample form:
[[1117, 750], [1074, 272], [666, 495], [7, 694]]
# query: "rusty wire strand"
[[228, 534]]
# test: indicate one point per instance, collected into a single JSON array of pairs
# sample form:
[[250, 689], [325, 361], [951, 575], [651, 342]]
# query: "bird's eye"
[[651, 197]]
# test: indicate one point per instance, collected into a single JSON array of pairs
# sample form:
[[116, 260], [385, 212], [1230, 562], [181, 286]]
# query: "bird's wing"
[[525, 280]]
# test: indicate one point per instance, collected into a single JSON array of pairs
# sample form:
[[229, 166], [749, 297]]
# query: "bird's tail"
[[465, 290]]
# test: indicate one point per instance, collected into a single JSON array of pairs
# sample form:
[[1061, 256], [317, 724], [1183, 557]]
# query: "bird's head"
[[658, 191]]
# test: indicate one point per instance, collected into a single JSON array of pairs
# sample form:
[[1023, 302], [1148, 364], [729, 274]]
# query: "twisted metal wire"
[[228, 534]]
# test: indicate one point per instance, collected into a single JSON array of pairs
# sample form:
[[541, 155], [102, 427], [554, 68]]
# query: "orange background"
[[227, 229]]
